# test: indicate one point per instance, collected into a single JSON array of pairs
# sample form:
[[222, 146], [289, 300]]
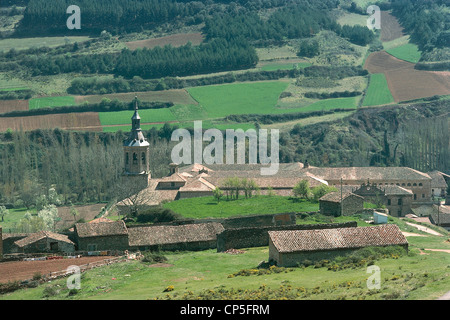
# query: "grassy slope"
[[408, 52], [412, 276], [46, 102]]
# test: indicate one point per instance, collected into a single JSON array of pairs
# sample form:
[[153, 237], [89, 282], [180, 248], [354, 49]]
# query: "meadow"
[[207, 207], [27, 43], [378, 92], [211, 275]]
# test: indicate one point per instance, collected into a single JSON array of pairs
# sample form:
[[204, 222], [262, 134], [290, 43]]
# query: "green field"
[[407, 52], [207, 207], [47, 102], [330, 104], [378, 92], [147, 116], [239, 98]]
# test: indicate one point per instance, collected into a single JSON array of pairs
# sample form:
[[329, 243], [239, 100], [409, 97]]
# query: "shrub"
[[153, 257], [157, 214], [9, 286]]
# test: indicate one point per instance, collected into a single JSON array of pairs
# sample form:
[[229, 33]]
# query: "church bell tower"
[[136, 151]]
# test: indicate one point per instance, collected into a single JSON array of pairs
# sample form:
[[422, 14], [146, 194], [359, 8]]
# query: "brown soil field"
[[13, 105], [176, 96], [390, 27], [405, 82], [23, 270], [87, 212], [87, 121], [175, 40]]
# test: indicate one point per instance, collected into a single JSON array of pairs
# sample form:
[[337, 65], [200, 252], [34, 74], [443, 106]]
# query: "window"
[[399, 213], [399, 202], [415, 184], [135, 160], [403, 184], [420, 184], [143, 157], [423, 195], [415, 196], [389, 202], [409, 184], [127, 158]]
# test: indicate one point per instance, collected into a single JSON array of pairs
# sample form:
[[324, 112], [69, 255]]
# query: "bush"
[[157, 214], [9, 286], [153, 257]]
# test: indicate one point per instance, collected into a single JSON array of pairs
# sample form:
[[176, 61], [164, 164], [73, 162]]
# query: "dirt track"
[[22, 270], [405, 82]]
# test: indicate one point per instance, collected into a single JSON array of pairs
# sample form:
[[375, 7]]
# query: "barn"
[[330, 204], [289, 248], [43, 242], [101, 236]]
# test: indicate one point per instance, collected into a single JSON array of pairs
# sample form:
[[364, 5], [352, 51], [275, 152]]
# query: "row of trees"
[[216, 55]]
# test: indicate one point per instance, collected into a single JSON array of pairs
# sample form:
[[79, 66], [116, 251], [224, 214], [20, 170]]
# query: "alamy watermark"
[[374, 281], [74, 21], [374, 20], [74, 281], [190, 150]]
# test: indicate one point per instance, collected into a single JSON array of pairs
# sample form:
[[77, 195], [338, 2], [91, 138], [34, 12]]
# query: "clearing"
[[175, 40]]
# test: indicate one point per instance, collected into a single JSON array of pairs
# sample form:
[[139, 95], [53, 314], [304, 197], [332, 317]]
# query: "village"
[[397, 192]]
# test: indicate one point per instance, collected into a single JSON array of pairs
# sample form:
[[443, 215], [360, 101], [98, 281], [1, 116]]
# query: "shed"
[[330, 204], [290, 247], [380, 217], [43, 242], [101, 236], [199, 236]]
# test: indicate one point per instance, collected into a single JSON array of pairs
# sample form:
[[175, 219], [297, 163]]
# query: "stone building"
[[396, 199], [292, 247], [438, 184], [101, 236], [337, 204], [43, 242], [192, 237]]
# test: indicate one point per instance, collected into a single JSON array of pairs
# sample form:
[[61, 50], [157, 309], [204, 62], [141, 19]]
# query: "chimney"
[[173, 168]]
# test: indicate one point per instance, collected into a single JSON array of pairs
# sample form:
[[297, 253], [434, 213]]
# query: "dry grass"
[[175, 40]]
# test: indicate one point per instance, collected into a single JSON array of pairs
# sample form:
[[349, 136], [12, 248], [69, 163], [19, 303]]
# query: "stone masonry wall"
[[259, 236]]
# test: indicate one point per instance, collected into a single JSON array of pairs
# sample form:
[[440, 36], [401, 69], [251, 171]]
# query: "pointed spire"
[[135, 103]]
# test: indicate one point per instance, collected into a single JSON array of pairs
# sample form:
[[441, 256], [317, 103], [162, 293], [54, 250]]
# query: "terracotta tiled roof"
[[333, 239], [101, 229], [437, 179], [41, 235], [101, 219], [336, 196], [371, 173], [159, 235]]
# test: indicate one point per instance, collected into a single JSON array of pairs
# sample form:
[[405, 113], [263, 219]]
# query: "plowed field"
[[86, 121], [405, 82], [23, 270]]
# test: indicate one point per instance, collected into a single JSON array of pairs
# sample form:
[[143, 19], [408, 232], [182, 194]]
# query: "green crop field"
[[378, 92], [47, 102], [407, 52], [147, 116], [330, 104], [239, 98]]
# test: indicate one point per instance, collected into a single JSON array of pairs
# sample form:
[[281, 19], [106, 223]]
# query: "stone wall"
[[258, 236], [103, 243], [45, 245]]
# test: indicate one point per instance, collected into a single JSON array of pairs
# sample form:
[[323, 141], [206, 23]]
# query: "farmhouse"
[[290, 247], [43, 242], [337, 204], [101, 236]]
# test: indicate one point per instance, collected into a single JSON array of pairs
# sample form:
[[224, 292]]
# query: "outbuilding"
[[290, 248], [337, 204], [44, 242]]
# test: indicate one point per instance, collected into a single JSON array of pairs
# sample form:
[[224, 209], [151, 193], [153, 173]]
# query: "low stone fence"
[[259, 237]]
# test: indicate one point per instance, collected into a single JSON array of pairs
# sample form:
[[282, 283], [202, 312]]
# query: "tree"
[[319, 191], [3, 212], [301, 189], [74, 212], [218, 194]]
